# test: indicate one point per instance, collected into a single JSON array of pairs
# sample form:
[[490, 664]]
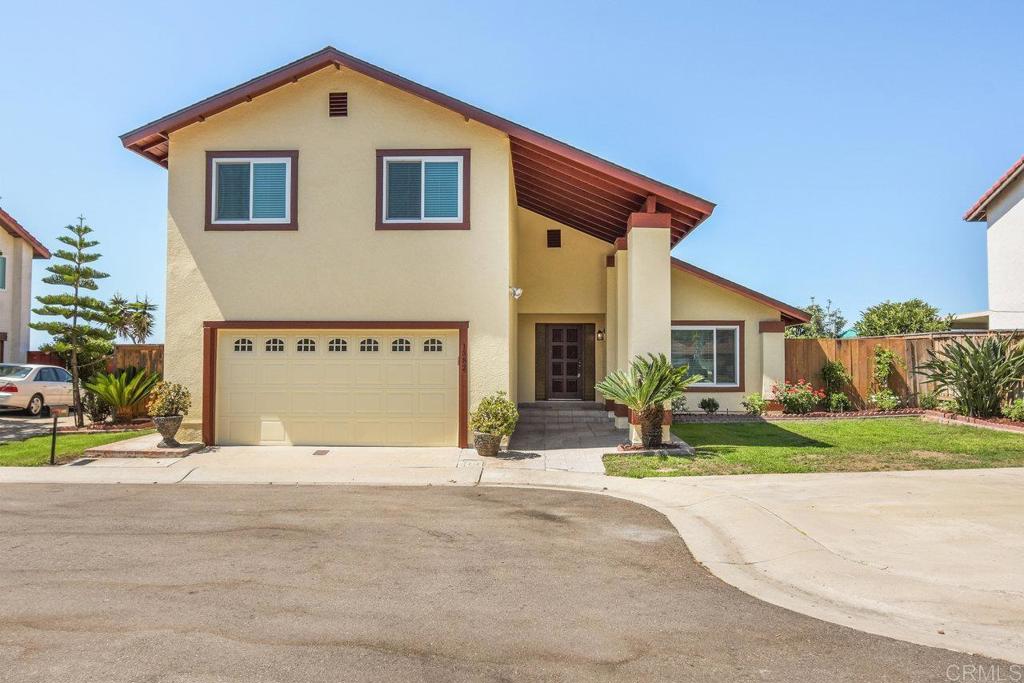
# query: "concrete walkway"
[[932, 557]]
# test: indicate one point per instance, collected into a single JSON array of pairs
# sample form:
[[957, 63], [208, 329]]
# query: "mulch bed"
[[137, 424]]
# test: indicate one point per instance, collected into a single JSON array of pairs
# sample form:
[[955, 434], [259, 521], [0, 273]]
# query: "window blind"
[[269, 190], [233, 192]]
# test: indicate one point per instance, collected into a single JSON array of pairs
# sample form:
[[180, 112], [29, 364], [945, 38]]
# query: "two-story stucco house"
[[1001, 208], [18, 248], [354, 258]]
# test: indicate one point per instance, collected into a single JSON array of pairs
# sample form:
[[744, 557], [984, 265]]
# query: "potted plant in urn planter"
[[496, 416], [168, 403]]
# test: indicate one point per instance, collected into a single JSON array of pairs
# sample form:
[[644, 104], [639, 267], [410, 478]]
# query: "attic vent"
[[338, 104], [554, 239]]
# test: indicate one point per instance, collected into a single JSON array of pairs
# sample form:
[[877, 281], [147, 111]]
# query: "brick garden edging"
[[954, 419], [775, 416]]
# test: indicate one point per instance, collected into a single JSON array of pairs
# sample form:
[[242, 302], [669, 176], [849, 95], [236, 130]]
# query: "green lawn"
[[36, 450], [825, 446]]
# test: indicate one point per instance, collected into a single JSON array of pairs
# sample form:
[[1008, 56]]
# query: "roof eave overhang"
[[979, 212], [15, 229], [791, 315], [634, 189]]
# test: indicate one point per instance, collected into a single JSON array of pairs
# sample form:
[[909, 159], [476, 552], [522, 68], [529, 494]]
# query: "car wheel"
[[35, 406]]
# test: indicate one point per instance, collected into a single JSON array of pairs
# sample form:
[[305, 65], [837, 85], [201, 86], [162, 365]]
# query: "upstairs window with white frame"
[[713, 352], [255, 191], [423, 190]]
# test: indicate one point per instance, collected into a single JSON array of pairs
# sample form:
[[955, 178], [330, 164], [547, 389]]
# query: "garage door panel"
[[272, 401], [337, 394]]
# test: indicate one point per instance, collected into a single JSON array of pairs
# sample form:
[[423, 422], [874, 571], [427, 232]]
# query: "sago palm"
[[648, 384]]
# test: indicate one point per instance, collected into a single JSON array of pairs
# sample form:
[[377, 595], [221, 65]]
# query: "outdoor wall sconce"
[[516, 292], [600, 335]]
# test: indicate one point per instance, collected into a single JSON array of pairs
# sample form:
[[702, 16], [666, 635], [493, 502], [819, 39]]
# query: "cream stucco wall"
[[16, 297], [696, 299], [337, 266], [560, 285], [1005, 242]]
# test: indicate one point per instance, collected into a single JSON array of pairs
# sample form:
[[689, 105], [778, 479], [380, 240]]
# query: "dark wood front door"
[[565, 361]]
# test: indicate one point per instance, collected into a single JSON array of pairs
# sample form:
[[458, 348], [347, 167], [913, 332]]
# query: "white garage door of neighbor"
[[349, 387]]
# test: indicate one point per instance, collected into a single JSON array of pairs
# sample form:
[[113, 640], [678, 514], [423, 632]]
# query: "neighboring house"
[[1002, 210], [17, 250], [354, 258]]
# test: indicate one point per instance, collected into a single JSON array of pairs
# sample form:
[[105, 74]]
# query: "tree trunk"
[[650, 426], [76, 395]]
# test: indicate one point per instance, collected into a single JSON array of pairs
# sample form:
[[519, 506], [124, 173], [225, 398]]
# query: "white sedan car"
[[33, 387]]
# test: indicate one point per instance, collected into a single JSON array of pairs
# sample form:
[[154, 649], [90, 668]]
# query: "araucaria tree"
[[79, 326]]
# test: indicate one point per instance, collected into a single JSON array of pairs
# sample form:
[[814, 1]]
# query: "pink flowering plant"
[[799, 397]]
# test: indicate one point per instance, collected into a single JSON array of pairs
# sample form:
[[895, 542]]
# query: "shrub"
[[679, 404], [797, 398], [168, 399], [979, 376], [123, 390], [496, 414], [950, 405], [709, 405], [884, 399], [834, 375], [755, 404], [928, 400], [95, 407], [838, 402], [645, 388], [1014, 410]]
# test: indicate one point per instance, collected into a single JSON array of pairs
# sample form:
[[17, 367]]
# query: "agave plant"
[[125, 390], [979, 376], [645, 388]]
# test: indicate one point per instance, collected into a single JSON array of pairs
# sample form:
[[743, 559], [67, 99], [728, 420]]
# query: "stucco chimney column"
[[773, 355], [649, 295], [622, 322], [611, 323]]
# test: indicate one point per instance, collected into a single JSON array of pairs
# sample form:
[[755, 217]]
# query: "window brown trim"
[[293, 209], [415, 225], [743, 353], [211, 328]]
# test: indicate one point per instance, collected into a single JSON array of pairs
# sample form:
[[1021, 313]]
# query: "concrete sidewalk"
[[929, 557]]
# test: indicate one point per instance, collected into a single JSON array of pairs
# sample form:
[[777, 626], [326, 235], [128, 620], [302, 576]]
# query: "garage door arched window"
[[243, 345], [274, 345], [401, 345], [369, 345], [433, 345], [305, 345], [337, 345]]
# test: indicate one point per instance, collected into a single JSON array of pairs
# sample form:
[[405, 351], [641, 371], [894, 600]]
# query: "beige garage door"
[[369, 387]]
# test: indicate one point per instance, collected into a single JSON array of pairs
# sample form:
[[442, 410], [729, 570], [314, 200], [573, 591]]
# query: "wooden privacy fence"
[[147, 356], [806, 357]]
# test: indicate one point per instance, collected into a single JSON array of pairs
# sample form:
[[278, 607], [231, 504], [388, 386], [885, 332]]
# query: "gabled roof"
[[791, 315], [554, 179], [15, 228], [979, 212]]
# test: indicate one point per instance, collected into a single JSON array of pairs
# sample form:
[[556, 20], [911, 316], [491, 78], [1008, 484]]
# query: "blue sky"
[[841, 141]]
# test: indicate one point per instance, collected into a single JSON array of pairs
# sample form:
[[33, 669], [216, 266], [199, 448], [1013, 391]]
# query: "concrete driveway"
[[292, 583]]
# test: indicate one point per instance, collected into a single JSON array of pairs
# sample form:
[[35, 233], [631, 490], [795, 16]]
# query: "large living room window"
[[423, 190], [711, 351], [251, 190]]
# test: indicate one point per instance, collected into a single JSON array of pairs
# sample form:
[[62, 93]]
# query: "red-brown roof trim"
[[608, 191], [979, 212], [791, 315], [15, 228]]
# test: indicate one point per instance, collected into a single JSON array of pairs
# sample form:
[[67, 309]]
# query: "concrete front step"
[[574, 406]]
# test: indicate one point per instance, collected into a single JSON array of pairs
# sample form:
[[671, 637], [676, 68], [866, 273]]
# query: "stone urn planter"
[[486, 444], [495, 417], [168, 426], [168, 404]]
